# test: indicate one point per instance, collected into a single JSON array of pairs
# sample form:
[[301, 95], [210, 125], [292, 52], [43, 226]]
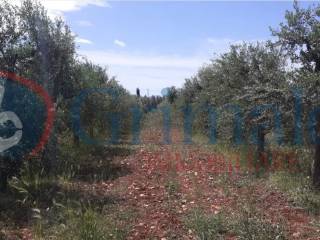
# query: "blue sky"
[[152, 45]]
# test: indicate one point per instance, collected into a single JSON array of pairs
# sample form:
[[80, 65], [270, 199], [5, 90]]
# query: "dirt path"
[[170, 181], [167, 183]]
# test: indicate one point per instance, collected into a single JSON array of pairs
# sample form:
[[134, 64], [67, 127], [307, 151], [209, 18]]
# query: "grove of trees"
[[271, 86], [39, 48], [260, 96]]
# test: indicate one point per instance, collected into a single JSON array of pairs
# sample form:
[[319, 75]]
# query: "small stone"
[[296, 234]]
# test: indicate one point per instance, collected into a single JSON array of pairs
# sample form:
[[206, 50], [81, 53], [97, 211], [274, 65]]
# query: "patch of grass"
[[87, 224], [249, 225], [91, 163], [172, 186], [206, 226], [78, 215], [245, 223], [89, 227], [299, 189], [33, 187], [84, 226], [152, 147]]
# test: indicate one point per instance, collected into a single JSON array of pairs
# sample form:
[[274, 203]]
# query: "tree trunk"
[[316, 160], [76, 140], [3, 180], [260, 149], [50, 153], [316, 167], [317, 67], [91, 131], [261, 140], [6, 170]]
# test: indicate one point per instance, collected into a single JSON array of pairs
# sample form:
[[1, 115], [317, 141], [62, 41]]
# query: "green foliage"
[[248, 75], [206, 227], [150, 103], [88, 227], [172, 186], [79, 222], [33, 187], [172, 94], [92, 226], [299, 189], [299, 36], [251, 227], [98, 106], [36, 47]]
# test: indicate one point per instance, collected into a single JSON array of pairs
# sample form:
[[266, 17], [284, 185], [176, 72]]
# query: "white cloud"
[[119, 43], [139, 60], [152, 72], [83, 40], [221, 45], [230, 41], [84, 23], [58, 7]]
